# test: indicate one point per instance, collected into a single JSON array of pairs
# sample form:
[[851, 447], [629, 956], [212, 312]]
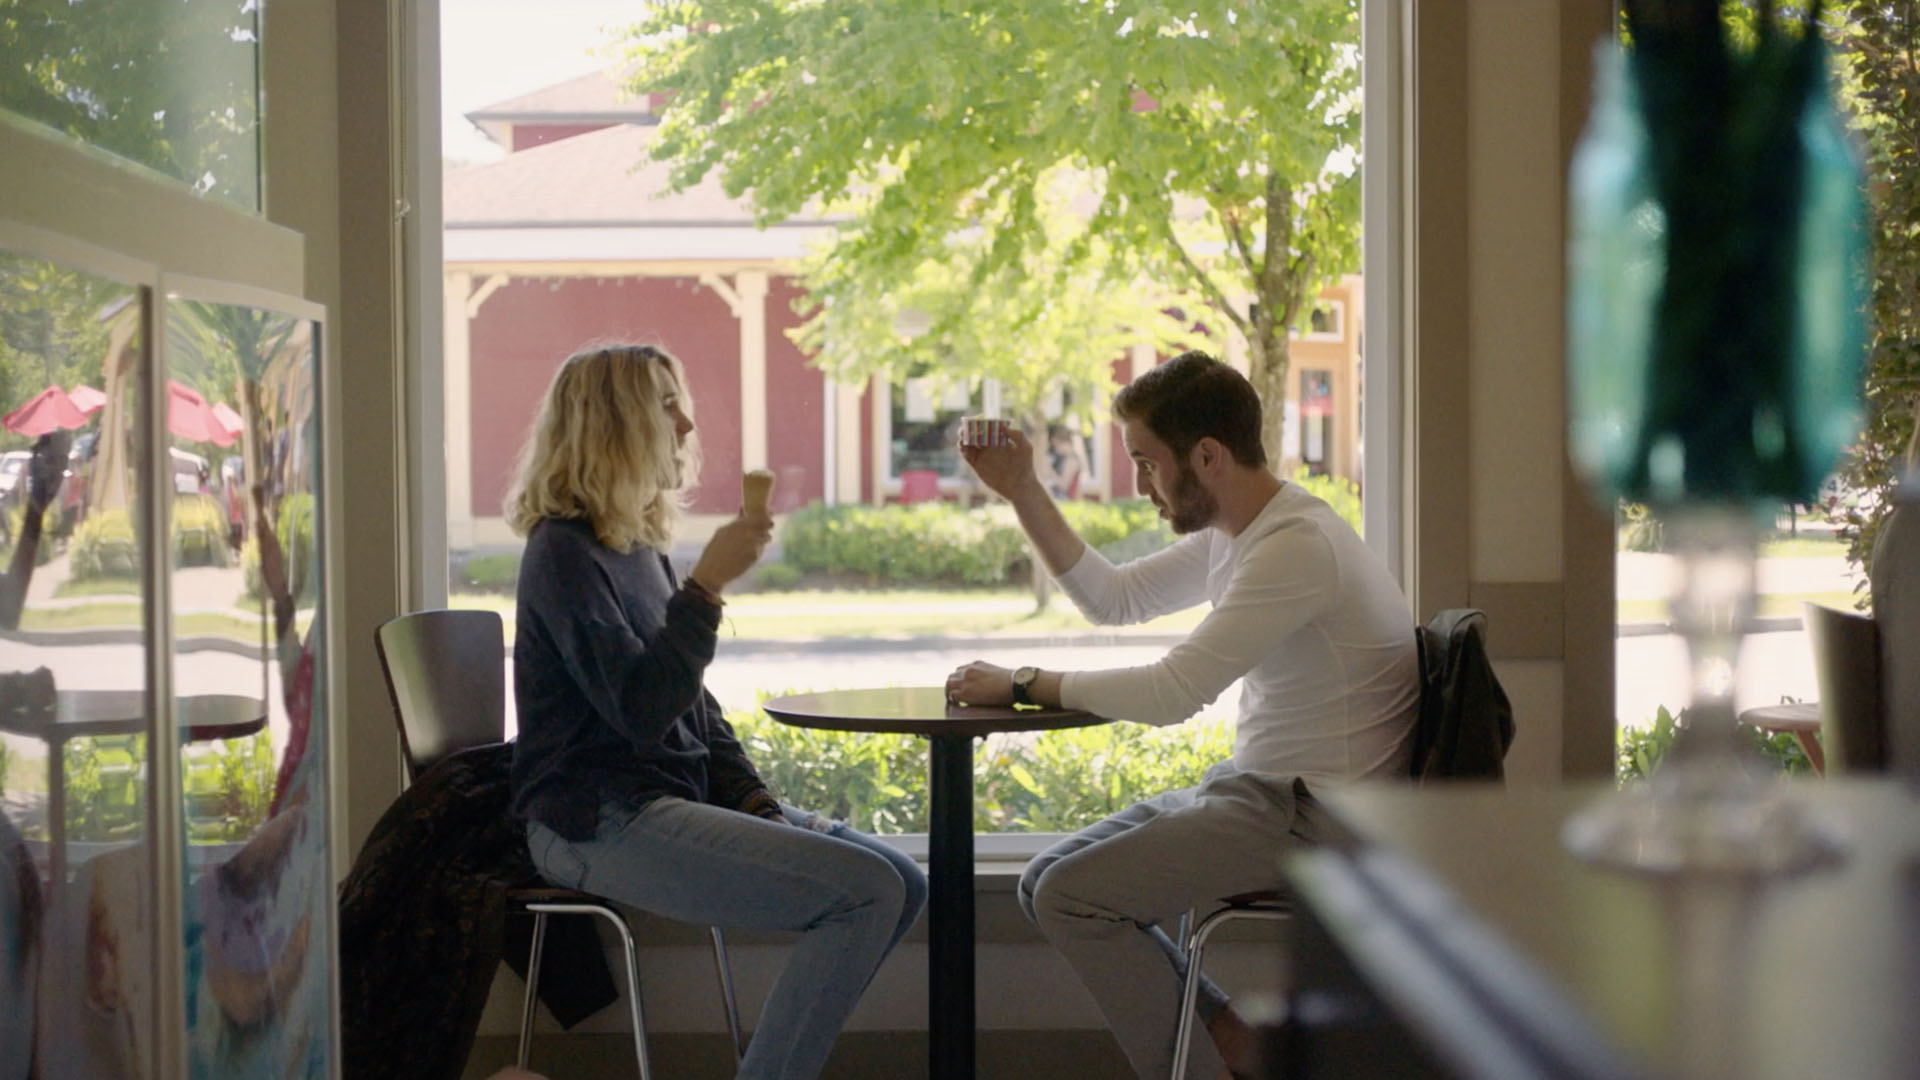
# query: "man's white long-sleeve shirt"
[[1302, 609]]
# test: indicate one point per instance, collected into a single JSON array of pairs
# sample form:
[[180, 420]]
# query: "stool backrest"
[[1466, 722], [1846, 666], [446, 673]]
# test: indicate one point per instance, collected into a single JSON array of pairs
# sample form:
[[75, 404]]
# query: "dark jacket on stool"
[[423, 926]]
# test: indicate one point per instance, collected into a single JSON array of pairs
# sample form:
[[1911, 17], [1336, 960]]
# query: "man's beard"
[[1193, 507]]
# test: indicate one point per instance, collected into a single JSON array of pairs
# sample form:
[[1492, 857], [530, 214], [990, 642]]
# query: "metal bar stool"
[[448, 686], [540, 903], [1264, 906]]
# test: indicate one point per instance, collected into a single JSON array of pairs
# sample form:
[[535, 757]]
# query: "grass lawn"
[[1811, 546], [902, 613], [926, 612], [98, 587], [126, 616], [1805, 546]]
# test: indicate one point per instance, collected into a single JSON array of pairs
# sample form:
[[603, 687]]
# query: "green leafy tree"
[[1049, 327], [1213, 147], [1880, 41], [170, 85], [224, 351], [53, 329]]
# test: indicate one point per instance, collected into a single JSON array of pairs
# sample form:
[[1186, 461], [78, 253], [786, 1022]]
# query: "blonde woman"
[[631, 782]]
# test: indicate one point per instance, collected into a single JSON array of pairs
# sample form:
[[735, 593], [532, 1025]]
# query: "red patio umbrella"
[[229, 420], [86, 398], [190, 417], [46, 411]]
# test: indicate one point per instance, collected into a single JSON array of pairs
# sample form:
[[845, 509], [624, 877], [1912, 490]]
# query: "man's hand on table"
[[980, 683]]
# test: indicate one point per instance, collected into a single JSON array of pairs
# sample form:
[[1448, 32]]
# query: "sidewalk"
[[1647, 576], [1639, 577], [197, 590]]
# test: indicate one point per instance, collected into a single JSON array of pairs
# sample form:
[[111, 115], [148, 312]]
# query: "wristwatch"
[[1023, 684]]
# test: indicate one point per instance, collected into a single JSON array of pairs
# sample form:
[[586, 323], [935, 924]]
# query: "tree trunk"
[[113, 461], [1039, 580], [1267, 368]]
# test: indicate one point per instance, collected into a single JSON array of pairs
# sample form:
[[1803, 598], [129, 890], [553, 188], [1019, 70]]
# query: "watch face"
[[1025, 676]]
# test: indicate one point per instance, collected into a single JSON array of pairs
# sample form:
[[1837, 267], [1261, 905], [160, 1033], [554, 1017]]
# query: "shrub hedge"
[[1639, 751], [944, 543], [295, 530], [103, 547], [50, 528], [199, 531], [1056, 781]]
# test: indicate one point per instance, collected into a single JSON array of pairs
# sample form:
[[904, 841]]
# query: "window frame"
[[95, 212]]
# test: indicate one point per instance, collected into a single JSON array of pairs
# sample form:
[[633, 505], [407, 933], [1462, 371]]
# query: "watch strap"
[[1022, 689]]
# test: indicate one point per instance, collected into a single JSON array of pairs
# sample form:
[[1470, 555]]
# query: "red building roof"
[[602, 177], [594, 98]]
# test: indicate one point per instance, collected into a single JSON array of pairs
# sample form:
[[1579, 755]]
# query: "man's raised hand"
[[1006, 470]]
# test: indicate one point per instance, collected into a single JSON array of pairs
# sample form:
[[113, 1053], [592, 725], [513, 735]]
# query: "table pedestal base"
[[950, 903]]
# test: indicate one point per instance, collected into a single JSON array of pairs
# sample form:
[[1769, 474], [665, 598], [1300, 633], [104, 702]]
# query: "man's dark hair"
[[1193, 397]]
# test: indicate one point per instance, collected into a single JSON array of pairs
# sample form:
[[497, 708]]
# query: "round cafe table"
[[92, 713], [950, 731]]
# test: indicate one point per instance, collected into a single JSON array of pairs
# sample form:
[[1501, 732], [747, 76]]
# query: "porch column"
[[460, 302], [847, 464], [746, 297], [751, 286], [457, 385]]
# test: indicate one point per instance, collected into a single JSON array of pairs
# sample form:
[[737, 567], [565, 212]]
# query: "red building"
[[571, 239]]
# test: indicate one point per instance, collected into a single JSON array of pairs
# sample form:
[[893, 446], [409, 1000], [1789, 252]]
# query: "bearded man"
[[1302, 611]]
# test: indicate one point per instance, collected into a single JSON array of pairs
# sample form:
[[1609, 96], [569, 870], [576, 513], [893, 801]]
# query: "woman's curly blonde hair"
[[603, 448]]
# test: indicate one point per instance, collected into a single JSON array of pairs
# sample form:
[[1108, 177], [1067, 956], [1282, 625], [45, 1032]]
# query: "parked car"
[[190, 472], [13, 477], [73, 491]]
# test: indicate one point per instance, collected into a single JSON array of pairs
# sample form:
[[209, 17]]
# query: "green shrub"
[[776, 576], [498, 572], [295, 533], [1056, 781], [1640, 530], [6, 763], [942, 543], [229, 788], [1639, 751], [1338, 492], [1103, 524], [876, 783], [1061, 781], [924, 542], [103, 547], [50, 529], [199, 531], [105, 781]]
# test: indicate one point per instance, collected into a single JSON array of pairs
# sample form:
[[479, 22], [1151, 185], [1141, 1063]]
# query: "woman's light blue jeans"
[[849, 896]]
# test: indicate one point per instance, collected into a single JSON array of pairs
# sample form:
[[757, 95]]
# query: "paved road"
[[1651, 670]]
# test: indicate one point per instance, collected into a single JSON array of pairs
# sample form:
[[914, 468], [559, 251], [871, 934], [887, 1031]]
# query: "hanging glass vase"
[[1716, 306]]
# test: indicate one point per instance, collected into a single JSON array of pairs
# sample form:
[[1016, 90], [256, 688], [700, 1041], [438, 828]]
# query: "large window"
[[166, 885], [172, 86], [884, 536], [922, 428]]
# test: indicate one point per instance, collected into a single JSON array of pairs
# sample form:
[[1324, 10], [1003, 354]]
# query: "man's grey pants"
[[1098, 895]]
